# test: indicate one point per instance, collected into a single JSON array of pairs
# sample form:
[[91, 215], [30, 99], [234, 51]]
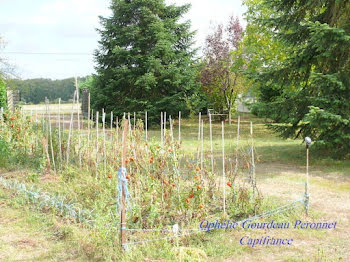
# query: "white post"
[[70, 126], [59, 129], [129, 122], [79, 133], [146, 123], [211, 144], [161, 127], [134, 121], [237, 143], [202, 147], [112, 127], [89, 116], [164, 119], [171, 129], [179, 125], [223, 166], [97, 119], [252, 156], [51, 145], [104, 139], [117, 130], [199, 133]]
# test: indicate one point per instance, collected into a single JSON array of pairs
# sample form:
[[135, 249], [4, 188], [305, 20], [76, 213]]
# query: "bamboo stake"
[[122, 200], [70, 127], [211, 144], [104, 140], [179, 125], [306, 195], [129, 120], [51, 145], [161, 128], [146, 125], [46, 121], [171, 129], [134, 121], [97, 119], [223, 166], [237, 143], [164, 122], [252, 157], [89, 119], [46, 152], [112, 127], [63, 119], [79, 133], [59, 129], [117, 131], [202, 148], [199, 134]]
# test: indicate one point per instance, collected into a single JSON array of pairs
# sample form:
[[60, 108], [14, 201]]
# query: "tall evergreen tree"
[[308, 91], [145, 58]]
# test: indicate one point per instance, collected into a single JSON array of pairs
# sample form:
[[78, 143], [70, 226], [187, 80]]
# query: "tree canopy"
[[221, 73], [306, 87], [145, 59], [35, 90]]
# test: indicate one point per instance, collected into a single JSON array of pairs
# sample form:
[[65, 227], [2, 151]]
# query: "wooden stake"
[[70, 127], [164, 118], [97, 119], [134, 121], [104, 140], [306, 197], [122, 200], [252, 157], [171, 129], [199, 134], [237, 143], [161, 128], [129, 120], [146, 125], [89, 116], [117, 130], [79, 133], [179, 125], [223, 167], [202, 147], [51, 145], [59, 129], [211, 144]]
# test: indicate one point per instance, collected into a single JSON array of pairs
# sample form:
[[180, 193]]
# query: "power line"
[[46, 53]]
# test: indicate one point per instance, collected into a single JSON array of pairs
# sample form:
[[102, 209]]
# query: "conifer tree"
[[308, 91], [144, 60]]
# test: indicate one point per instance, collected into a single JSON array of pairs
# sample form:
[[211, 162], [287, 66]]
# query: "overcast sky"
[[68, 26]]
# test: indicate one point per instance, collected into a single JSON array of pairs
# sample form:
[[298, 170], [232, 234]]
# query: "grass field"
[[53, 108], [32, 234]]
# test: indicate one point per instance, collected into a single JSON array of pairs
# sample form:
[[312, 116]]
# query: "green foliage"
[[35, 90], [16, 141], [145, 59], [3, 99], [4, 152], [220, 74], [305, 87]]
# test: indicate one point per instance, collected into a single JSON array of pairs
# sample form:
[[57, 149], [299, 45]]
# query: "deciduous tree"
[[221, 75]]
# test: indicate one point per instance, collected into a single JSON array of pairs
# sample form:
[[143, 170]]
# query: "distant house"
[[13, 99], [242, 101]]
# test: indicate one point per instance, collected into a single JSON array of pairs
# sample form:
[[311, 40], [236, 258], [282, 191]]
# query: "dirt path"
[[329, 202]]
